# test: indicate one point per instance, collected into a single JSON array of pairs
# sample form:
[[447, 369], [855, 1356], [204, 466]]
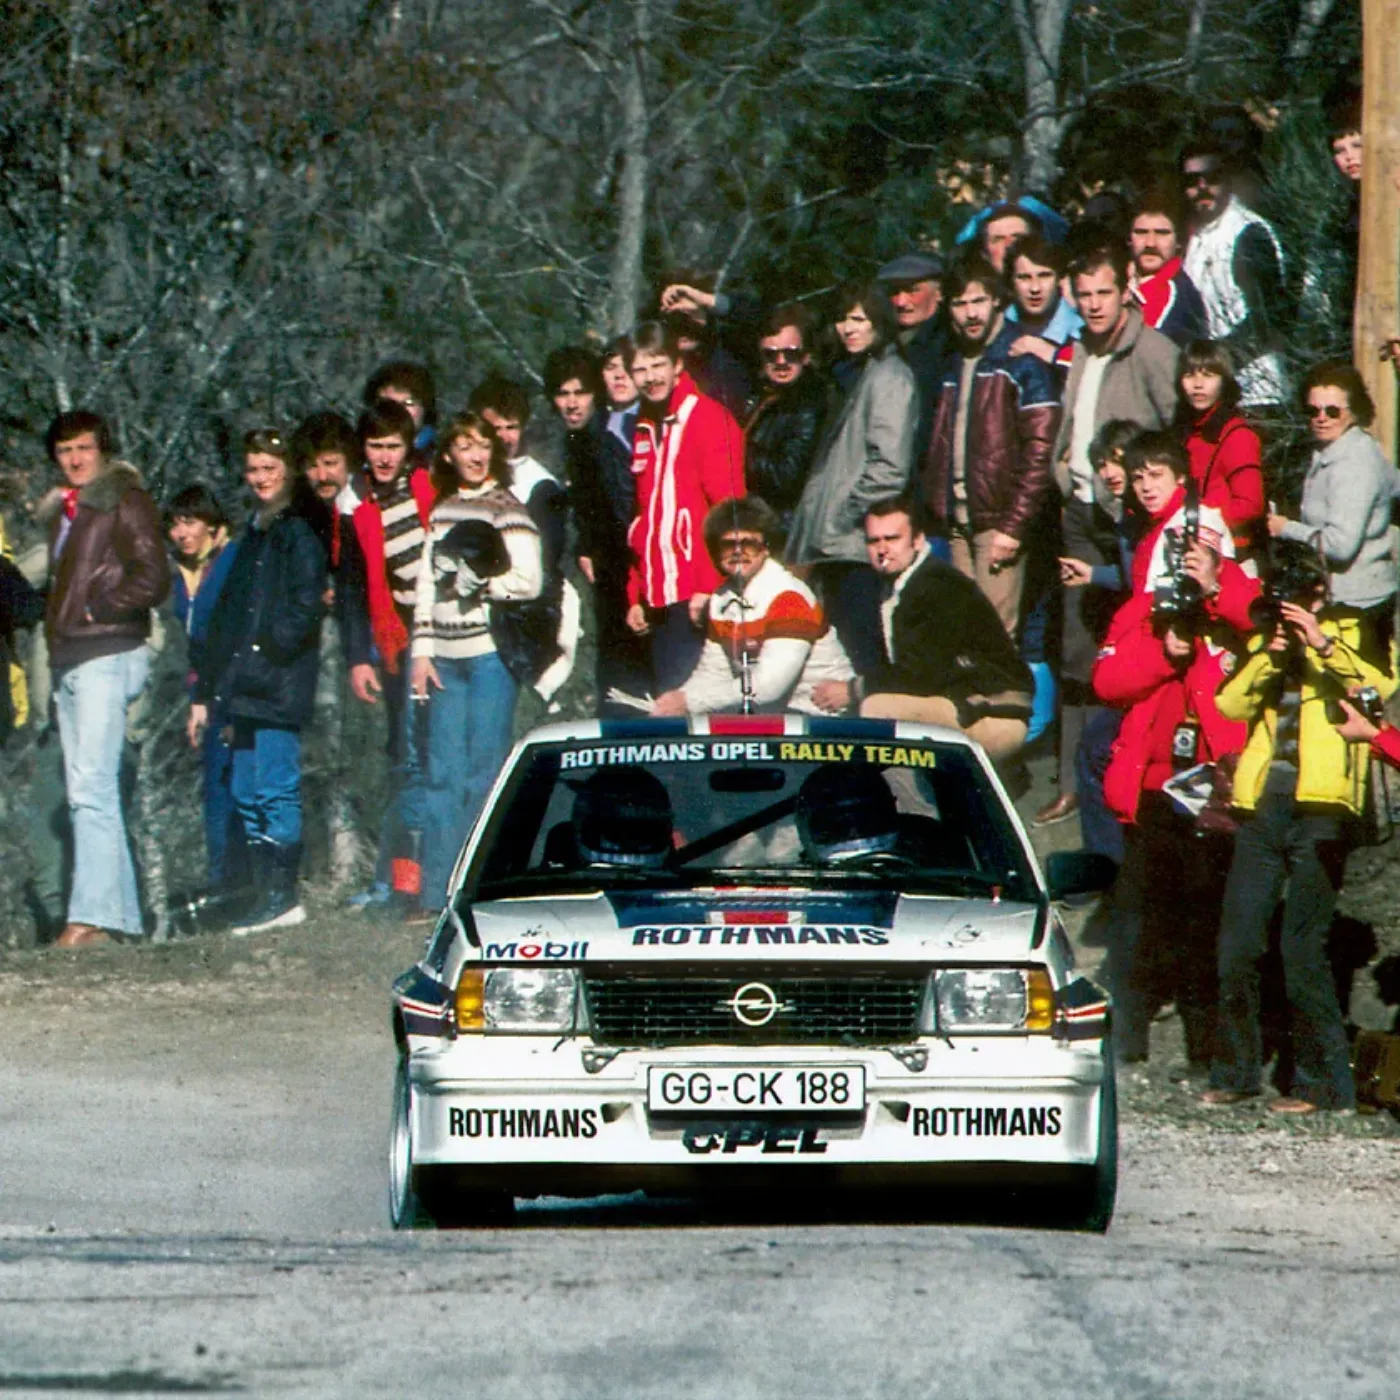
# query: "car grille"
[[812, 1010]]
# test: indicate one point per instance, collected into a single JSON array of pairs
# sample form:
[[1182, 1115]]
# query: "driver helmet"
[[845, 810], [622, 816]]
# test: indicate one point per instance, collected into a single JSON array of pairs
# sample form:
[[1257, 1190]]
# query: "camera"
[[1296, 575], [1368, 701], [1179, 601]]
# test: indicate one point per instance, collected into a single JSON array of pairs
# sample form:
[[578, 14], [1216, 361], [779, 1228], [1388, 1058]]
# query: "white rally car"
[[689, 955]]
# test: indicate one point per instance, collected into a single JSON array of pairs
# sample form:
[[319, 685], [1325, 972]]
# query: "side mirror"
[[1079, 872]]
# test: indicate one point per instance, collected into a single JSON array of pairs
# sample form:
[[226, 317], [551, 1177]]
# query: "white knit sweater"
[[450, 614]]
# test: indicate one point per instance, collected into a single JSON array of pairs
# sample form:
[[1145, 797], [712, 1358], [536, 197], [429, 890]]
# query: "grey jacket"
[[866, 455], [1346, 500], [1139, 384]]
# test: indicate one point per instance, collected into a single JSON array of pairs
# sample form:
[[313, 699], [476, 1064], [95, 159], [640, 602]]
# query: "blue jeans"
[[224, 843], [470, 724], [1103, 833], [267, 781], [92, 698], [406, 762]]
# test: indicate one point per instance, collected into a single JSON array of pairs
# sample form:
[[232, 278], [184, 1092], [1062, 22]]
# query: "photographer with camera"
[[1166, 653], [1298, 781]]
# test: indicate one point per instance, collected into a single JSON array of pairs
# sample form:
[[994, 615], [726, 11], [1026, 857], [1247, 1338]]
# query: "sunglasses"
[[748, 545], [782, 357], [1203, 177], [1320, 410]]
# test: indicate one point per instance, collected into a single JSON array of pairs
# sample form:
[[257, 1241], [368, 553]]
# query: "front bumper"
[[522, 1102]]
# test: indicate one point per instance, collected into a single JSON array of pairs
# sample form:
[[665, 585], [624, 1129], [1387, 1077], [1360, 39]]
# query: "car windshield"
[[705, 811]]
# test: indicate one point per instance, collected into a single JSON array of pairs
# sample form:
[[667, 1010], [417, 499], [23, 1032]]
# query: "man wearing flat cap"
[[914, 286]]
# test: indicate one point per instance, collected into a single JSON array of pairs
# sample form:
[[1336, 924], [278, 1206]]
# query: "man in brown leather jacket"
[[108, 568]]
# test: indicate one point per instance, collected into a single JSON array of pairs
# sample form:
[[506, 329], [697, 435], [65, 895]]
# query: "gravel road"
[[192, 1202]]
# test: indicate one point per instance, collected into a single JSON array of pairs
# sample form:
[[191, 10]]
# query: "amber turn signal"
[[1040, 1000], [469, 1001]]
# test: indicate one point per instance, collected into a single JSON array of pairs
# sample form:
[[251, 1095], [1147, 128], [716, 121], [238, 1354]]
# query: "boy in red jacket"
[[1164, 671], [688, 456]]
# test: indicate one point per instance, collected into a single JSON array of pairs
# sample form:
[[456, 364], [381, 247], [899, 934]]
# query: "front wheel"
[[403, 1201], [1094, 1197], [444, 1203]]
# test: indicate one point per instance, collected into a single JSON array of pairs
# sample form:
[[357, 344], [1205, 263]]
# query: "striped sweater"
[[454, 622], [403, 543]]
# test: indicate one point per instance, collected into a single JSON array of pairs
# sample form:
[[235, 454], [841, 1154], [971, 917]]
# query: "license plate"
[[755, 1088]]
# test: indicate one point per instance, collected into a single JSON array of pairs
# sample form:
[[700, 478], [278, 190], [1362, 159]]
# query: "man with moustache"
[[785, 423], [326, 450], [987, 471], [1235, 259], [1168, 298]]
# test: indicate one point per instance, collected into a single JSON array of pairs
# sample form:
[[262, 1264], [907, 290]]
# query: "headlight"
[[530, 998], [989, 999]]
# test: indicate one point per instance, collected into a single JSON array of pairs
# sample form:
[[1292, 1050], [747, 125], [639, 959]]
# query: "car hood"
[[772, 926]]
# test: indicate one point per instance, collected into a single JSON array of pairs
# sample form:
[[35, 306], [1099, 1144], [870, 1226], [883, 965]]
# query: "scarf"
[[386, 626]]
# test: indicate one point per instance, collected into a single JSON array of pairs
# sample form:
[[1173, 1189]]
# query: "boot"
[[259, 883], [281, 906]]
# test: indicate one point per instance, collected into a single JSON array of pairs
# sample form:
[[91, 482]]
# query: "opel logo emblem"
[[755, 1004]]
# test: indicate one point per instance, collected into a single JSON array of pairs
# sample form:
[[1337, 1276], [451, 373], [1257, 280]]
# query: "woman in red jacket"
[[1224, 449], [1164, 671]]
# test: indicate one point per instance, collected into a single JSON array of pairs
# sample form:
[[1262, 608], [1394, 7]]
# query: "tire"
[[431, 1196], [1090, 1207], [444, 1204], [403, 1200]]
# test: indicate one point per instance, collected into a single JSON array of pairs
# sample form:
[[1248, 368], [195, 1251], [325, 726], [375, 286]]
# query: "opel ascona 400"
[[712, 954]]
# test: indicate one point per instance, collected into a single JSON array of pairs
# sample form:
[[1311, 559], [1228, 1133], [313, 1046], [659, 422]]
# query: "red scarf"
[[70, 502], [385, 624], [1155, 294]]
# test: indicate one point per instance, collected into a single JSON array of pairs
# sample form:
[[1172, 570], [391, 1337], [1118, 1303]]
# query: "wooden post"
[[1378, 281]]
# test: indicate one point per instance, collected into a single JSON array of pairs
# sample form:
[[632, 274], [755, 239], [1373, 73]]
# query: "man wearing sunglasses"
[[1236, 262], [785, 423], [766, 639]]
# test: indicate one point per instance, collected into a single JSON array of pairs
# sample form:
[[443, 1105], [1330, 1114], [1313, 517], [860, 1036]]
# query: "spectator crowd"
[[1028, 489]]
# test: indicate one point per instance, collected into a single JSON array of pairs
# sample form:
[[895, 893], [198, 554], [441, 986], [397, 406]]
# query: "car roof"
[[745, 726]]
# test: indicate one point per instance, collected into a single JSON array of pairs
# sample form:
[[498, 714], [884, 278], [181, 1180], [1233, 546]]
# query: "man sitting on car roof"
[[948, 659], [762, 619]]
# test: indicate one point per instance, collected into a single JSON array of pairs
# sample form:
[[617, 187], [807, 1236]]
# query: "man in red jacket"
[[688, 456]]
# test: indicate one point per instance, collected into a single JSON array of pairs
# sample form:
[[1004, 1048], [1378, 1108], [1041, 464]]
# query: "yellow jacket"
[[19, 691], [1330, 770]]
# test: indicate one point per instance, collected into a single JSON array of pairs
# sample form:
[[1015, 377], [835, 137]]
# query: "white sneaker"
[[288, 918]]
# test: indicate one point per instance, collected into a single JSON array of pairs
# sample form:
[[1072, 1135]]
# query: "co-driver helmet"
[[846, 810]]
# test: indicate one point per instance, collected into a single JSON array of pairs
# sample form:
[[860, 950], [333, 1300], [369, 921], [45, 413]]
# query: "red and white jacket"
[[791, 647], [690, 461], [1134, 673]]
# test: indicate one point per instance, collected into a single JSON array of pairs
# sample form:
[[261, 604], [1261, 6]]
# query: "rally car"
[[731, 952]]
